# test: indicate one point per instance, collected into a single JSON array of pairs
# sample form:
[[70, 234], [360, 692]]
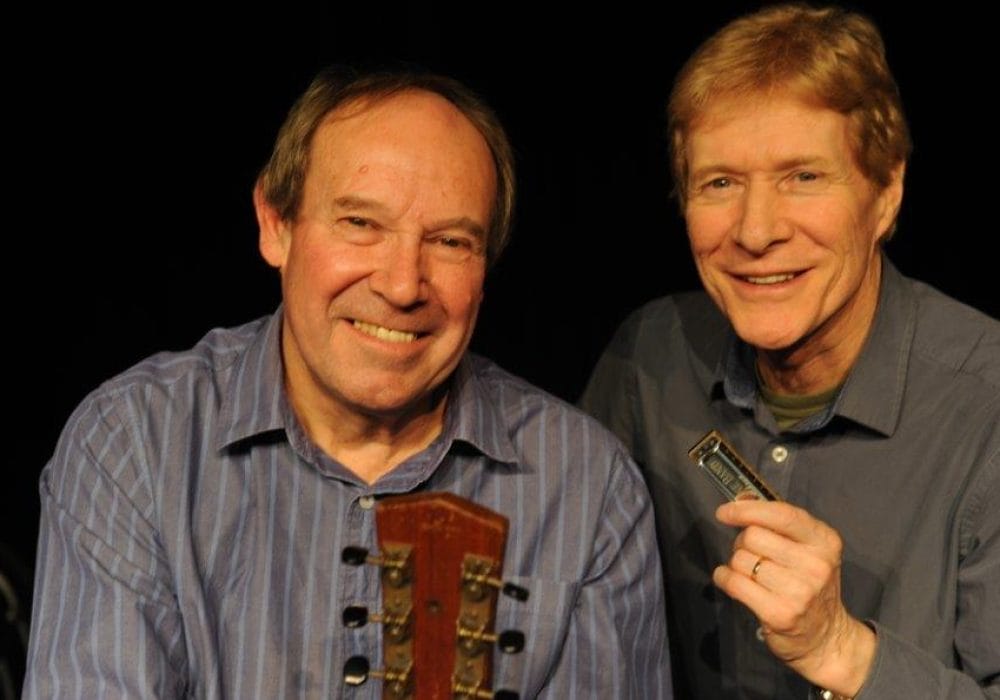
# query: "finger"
[[747, 563], [817, 560], [787, 584], [779, 548], [780, 604], [794, 571], [738, 585], [778, 516], [774, 515]]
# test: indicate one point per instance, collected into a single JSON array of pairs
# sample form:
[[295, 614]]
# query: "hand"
[[785, 567]]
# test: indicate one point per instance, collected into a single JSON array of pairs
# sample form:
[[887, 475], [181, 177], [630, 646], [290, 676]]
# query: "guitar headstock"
[[441, 557]]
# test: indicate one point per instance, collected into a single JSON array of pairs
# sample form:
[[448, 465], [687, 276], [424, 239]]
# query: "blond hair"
[[826, 56]]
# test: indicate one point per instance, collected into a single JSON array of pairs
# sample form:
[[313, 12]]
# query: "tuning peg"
[[472, 639], [514, 591], [355, 556], [474, 589], [461, 691], [395, 562], [357, 671], [477, 574], [397, 625], [510, 641], [355, 616]]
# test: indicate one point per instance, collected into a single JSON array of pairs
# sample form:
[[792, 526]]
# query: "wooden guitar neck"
[[441, 559]]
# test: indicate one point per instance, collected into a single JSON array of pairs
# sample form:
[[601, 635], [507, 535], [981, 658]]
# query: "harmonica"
[[731, 474]]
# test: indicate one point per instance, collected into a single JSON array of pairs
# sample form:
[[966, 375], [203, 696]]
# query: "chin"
[[398, 401], [764, 337]]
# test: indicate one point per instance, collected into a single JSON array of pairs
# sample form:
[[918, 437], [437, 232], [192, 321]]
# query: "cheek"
[[461, 293], [323, 271], [845, 226], [706, 229]]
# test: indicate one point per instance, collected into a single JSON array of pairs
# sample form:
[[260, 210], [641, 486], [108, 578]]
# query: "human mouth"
[[383, 333], [769, 279]]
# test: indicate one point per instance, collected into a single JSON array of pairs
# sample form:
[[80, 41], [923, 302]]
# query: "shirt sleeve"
[[105, 622], [610, 394], [616, 645], [903, 670]]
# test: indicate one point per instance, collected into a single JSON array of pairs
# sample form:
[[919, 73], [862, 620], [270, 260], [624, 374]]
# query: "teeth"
[[770, 279], [385, 333]]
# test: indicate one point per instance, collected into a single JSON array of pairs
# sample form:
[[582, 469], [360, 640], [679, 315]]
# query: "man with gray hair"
[[203, 510]]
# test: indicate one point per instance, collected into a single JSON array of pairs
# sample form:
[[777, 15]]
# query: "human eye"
[[810, 177], [357, 229], [455, 247], [355, 222], [714, 187], [810, 181], [454, 242]]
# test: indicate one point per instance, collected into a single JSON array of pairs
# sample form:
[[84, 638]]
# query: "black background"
[[136, 140]]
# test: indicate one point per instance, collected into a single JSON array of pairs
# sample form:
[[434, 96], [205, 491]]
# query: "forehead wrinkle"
[[759, 108], [790, 163], [460, 222], [359, 204], [391, 176]]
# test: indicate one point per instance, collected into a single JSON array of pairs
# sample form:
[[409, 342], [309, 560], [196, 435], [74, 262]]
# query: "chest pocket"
[[544, 619]]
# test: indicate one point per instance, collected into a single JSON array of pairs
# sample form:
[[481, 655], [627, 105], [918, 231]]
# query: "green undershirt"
[[790, 409]]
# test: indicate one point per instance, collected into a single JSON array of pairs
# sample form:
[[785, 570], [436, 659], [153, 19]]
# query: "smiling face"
[[783, 225], [382, 269]]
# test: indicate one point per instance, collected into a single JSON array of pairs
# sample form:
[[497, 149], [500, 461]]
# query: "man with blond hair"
[[868, 401]]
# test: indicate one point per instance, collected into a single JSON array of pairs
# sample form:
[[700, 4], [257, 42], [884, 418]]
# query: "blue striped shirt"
[[191, 537]]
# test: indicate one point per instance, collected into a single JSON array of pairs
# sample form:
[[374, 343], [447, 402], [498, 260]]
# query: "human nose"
[[760, 223], [400, 275]]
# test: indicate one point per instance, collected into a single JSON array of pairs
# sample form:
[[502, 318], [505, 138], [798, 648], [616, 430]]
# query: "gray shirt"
[[905, 465], [191, 538]]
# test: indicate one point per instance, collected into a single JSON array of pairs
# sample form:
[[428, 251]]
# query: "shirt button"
[[760, 633], [367, 502], [779, 454]]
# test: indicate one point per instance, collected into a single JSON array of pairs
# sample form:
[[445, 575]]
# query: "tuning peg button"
[[354, 556], [514, 591], [510, 641], [397, 680], [356, 670], [355, 616]]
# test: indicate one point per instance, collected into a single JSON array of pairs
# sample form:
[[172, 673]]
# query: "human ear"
[[275, 232], [890, 200]]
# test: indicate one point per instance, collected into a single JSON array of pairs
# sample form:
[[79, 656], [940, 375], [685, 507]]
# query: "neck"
[[372, 445], [823, 359]]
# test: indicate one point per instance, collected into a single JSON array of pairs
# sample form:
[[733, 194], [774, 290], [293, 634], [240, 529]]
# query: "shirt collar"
[[255, 401], [873, 392], [254, 398], [473, 415]]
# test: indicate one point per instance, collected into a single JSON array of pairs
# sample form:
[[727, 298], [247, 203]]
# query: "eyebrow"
[[787, 164], [353, 203]]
